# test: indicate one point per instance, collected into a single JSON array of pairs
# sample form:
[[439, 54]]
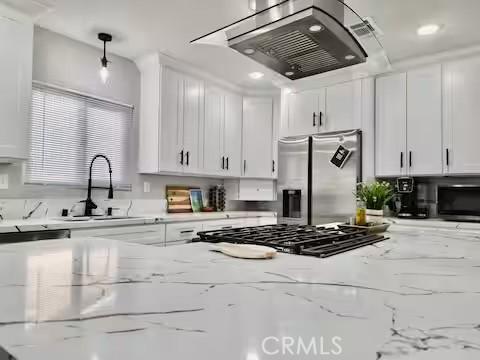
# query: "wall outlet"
[[3, 181], [146, 187]]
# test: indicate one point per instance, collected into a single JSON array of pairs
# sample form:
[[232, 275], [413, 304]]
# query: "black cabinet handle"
[[181, 157], [244, 166], [320, 118], [314, 124], [186, 231], [188, 158], [401, 160], [273, 165], [223, 162], [227, 162], [410, 159], [448, 157]]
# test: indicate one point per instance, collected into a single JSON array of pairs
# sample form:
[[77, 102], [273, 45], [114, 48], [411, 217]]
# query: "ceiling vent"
[[366, 28]]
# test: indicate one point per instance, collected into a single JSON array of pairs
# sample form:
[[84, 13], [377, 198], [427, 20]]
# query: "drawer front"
[[267, 221], [182, 231], [251, 222], [222, 225], [145, 234]]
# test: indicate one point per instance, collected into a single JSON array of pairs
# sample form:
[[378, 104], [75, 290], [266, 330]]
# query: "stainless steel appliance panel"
[[333, 188], [293, 175], [458, 202]]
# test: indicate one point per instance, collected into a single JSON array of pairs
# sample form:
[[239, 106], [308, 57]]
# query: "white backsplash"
[[17, 208]]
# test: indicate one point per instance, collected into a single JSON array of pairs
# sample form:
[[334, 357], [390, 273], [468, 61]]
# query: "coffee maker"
[[407, 194]]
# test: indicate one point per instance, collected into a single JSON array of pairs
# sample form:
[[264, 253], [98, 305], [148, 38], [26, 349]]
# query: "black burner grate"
[[302, 240]]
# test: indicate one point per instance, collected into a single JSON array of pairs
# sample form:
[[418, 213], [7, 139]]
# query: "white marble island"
[[415, 296]]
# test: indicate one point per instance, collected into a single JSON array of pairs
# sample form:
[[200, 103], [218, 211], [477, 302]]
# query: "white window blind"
[[68, 130]]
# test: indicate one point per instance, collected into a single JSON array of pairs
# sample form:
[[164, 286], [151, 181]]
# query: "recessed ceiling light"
[[315, 28], [249, 51], [256, 75], [350, 57], [429, 29], [289, 73]]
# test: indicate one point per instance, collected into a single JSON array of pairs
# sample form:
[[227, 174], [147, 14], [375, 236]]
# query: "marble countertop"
[[415, 296], [19, 225]]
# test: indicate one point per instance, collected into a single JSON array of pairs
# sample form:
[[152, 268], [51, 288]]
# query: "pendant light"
[[104, 71]]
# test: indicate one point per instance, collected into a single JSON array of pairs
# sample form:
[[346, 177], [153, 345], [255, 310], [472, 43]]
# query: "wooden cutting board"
[[178, 199]]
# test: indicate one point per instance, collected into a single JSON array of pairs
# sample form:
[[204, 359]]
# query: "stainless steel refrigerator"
[[317, 177]]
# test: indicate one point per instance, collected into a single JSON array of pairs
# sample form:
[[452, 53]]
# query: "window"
[[68, 129]]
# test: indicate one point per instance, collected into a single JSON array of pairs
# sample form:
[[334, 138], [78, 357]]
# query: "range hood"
[[302, 38]]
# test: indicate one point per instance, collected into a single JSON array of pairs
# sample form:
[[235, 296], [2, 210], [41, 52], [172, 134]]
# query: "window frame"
[[127, 186]]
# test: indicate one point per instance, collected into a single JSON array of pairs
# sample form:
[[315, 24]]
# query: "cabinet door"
[[192, 124], [257, 137], [306, 112], [390, 125], [233, 134], [344, 106], [171, 137], [16, 41], [424, 121], [213, 133], [461, 111]]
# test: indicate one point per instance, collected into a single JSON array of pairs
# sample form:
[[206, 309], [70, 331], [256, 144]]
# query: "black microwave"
[[459, 202]]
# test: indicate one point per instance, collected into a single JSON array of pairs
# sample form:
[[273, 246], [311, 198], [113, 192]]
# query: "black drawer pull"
[[186, 231]]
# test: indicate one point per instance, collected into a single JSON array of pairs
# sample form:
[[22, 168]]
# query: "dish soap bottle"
[[361, 215]]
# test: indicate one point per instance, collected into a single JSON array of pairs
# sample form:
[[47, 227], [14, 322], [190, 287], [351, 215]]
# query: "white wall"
[[62, 61]]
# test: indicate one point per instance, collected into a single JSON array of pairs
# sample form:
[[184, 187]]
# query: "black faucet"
[[89, 204]]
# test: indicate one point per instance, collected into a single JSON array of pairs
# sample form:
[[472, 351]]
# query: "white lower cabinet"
[[223, 224], [182, 233], [142, 234]]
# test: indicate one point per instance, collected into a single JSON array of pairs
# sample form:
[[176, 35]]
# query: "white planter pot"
[[375, 216]]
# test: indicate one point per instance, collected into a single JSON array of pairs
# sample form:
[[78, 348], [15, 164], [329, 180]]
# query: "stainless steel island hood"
[[300, 38]]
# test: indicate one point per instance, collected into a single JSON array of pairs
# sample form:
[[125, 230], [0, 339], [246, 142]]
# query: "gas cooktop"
[[294, 239]]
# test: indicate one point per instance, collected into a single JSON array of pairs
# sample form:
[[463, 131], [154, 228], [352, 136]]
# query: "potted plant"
[[375, 195]]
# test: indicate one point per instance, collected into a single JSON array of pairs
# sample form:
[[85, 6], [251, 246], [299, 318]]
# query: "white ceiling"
[[142, 26]]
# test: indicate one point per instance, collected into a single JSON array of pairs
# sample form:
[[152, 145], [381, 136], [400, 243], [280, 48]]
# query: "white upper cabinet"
[[223, 129], [408, 124], [344, 106], [16, 46], [233, 134], [187, 127], [390, 125], [193, 119], [214, 158], [461, 116], [337, 107], [170, 147], [258, 137], [424, 121], [171, 120], [306, 112]]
